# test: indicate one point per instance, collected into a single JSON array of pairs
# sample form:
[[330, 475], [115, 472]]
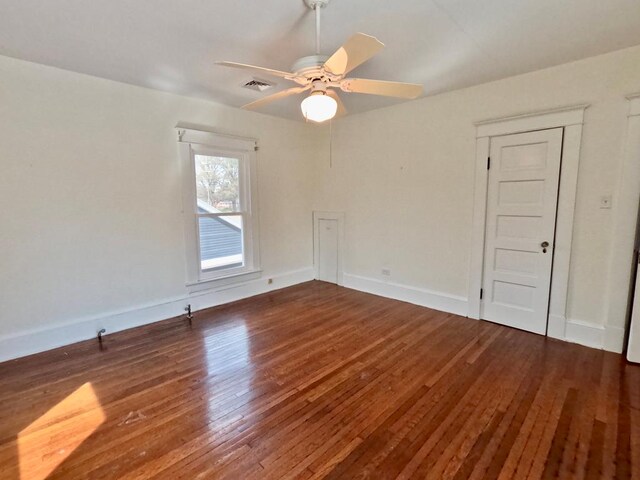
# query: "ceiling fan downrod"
[[317, 9], [316, 6]]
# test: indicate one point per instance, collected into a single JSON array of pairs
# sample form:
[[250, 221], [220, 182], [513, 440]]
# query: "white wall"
[[90, 223], [91, 228], [404, 177]]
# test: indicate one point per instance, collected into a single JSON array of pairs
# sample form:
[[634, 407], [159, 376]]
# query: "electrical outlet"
[[386, 272], [605, 201]]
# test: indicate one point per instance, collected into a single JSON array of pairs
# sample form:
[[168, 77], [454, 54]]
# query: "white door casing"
[[571, 118], [522, 199], [633, 350], [620, 274]]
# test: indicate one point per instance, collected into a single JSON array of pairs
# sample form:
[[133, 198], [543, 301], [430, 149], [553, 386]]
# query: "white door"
[[522, 201], [328, 250], [633, 352]]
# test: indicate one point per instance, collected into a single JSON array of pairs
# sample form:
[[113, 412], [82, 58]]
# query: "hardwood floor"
[[317, 381]]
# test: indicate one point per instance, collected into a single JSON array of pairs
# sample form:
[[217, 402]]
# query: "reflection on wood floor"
[[318, 381]]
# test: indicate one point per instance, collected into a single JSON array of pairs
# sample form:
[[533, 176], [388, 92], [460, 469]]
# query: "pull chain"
[[330, 143]]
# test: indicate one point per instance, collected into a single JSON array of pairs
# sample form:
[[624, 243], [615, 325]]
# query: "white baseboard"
[[584, 333], [603, 337], [418, 296], [39, 340], [575, 331]]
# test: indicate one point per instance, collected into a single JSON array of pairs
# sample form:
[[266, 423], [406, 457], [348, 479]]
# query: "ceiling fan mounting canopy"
[[312, 4], [322, 73]]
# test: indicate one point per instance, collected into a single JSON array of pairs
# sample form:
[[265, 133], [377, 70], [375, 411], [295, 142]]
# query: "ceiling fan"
[[320, 74]]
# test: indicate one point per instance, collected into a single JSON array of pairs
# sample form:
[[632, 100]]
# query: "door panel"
[[328, 250], [522, 200]]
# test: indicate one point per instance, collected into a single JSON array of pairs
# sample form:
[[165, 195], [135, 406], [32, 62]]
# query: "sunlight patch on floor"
[[49, 440]]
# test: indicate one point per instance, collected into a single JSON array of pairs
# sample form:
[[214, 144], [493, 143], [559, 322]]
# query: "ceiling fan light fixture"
[[319, 107], [321, 72]]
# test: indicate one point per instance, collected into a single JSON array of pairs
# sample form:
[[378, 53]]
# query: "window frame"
[[197, 142]]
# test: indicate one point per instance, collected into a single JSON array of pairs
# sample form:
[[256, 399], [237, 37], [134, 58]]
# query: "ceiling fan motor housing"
[[310, 67]]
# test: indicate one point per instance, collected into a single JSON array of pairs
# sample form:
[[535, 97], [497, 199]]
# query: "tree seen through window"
[[218, 182]]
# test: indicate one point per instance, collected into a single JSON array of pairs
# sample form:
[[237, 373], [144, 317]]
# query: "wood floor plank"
[[317, 381]]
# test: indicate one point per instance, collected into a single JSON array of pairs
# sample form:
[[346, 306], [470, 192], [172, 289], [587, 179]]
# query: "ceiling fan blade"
[[341, 108], [380, 87], [357, 50], [276, 96], [267, 71]]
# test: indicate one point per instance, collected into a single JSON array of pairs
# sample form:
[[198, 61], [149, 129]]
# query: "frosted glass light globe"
[[319, 107]]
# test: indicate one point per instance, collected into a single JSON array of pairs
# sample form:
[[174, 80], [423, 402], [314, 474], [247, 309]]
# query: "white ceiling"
[[171, 45]]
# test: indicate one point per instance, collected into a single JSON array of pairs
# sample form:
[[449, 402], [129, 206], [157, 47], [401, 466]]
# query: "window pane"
[[221, 242], [218, 183]]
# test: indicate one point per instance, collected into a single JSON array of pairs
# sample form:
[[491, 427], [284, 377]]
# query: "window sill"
[[214, 283]]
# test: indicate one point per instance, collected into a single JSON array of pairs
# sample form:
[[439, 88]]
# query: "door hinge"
[[481, 292], [488, 163]]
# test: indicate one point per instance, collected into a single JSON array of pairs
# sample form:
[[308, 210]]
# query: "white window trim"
[[191, 142]]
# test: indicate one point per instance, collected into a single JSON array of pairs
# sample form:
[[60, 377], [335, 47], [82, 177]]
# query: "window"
[[219, 212], [219, 201]]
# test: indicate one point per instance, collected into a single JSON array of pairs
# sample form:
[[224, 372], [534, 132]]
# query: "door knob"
[[544, 246]]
